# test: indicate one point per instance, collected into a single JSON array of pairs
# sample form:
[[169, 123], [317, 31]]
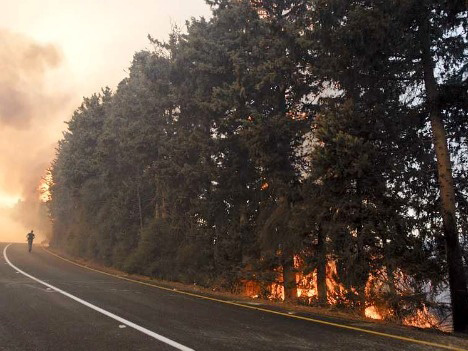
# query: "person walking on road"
[[30, 236]]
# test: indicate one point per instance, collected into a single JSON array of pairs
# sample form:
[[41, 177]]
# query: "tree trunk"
[[321, 268], [457, 279], [243, 222], [393, 295], [361, 264], [163, 208], [139, 207], [289, 277]]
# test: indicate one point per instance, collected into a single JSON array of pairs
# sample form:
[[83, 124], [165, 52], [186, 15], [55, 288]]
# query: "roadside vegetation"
[[311, 151]]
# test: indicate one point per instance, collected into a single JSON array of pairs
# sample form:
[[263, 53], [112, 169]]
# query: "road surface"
[[49, 304]]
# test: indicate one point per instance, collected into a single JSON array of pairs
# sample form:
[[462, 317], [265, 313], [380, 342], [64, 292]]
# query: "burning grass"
[[385, 299]]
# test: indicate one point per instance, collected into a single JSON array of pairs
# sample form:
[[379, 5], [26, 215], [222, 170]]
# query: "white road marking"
[[100, 310]]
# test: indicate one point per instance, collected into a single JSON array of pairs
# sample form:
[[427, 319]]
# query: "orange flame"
[[336, 292], [421, 319], [371, 312], [251, 288]]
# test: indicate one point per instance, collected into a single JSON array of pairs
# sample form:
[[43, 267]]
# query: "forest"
[[312, 151]]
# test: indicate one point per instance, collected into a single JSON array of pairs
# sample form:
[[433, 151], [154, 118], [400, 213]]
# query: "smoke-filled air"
[[48, 62], [32, 108]]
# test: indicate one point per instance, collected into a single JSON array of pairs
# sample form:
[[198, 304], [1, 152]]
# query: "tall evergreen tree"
[[279, 138], [378, 39]]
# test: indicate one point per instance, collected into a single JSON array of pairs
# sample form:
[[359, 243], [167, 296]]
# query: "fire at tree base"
[[380, 303]]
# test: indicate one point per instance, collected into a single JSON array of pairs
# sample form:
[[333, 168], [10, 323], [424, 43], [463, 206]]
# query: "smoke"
[[23, 65], [33, 104]]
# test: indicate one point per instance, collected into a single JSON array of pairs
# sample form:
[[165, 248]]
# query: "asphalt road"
[[50, 304]]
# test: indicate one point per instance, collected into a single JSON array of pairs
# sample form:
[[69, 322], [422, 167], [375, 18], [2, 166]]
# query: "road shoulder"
[[314, 315]]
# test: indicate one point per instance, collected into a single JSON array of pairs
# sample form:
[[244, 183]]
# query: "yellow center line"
[[313, 320]]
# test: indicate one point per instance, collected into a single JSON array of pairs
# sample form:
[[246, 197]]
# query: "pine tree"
[[378, 40]]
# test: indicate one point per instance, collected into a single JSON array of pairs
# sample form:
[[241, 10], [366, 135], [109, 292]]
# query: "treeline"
[[278, 132]]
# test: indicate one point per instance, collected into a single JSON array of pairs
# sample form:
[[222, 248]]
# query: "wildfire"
[[376, 285], [251, 288], [44, 187], [307, 284], [371, 312], [421, 319]]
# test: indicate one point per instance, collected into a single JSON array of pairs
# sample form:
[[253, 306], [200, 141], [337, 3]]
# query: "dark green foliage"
[[275, 131]]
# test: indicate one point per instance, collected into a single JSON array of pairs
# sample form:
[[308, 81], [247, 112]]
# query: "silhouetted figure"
[[30, 236]]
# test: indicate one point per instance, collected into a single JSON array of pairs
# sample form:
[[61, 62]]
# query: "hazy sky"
[[54, 52], [97, 37]]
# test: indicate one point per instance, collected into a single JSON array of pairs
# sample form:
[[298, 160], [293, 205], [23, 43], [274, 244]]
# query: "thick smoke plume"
[[23, 65], [32, 108]]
